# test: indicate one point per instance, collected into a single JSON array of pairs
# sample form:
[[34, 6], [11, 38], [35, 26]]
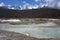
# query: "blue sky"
[[18, 2], [50, 3], [21, 2]]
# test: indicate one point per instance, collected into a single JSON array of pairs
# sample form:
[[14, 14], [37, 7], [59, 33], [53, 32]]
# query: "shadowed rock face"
[[31, 13]]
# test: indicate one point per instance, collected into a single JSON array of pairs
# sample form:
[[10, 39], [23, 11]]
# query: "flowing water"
[[49, 29]]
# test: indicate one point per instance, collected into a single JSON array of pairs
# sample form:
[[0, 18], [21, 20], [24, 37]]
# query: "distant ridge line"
[[30, 13]]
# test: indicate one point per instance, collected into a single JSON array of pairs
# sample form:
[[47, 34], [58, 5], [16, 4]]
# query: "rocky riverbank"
[[5, 35]]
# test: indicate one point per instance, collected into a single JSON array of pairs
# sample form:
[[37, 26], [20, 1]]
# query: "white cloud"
[[2, 4], [27, 6], [12, 8], [49, 0], [49, 3], [37, 0], [24, 1], [9, 5], [52, 3], [30, 7], [35, 7], [58, 4]]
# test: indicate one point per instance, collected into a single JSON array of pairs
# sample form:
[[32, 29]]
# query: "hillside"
[[30, 13]]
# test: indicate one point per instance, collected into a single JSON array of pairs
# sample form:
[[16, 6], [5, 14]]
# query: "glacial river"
[[42, 30]]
